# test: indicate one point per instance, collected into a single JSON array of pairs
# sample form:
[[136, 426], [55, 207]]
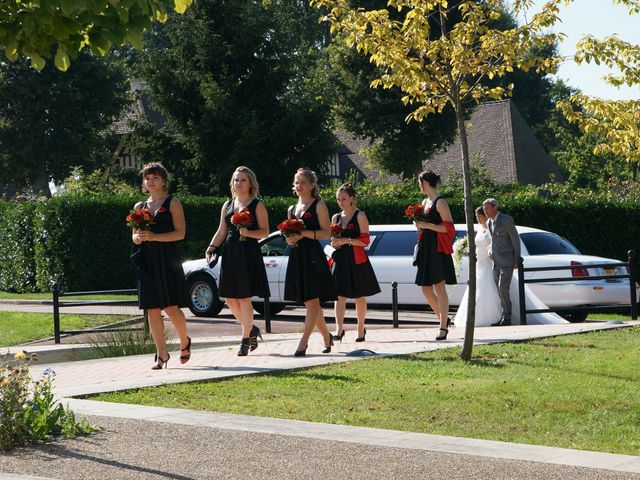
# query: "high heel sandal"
[[160, 362], [363, 337], [300, 353], [339, 336], [253, 337], [244, 347], [328, 349], [443, 337], [184, 358]]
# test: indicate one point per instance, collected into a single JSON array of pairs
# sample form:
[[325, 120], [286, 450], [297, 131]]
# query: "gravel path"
[[137, 449]]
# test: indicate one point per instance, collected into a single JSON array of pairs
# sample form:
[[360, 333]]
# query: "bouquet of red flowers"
[[415, 213], [291, 226], [243, 218], [140, 219], [336, 230]]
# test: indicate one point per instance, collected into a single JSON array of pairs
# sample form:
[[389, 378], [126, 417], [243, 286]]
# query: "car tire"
[[274, 308], [575, 316], [203, 295]]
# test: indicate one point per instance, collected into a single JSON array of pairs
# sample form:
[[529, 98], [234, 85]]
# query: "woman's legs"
[[432, 300], [314, 318], [340, 306], [443, 303], [156, 325], [242, 310], [180, 324], [361, 311]]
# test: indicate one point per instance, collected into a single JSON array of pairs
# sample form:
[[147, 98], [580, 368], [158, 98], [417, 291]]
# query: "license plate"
[[609, 271]]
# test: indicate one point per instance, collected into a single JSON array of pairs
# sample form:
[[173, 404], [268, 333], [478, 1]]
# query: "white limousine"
[[391, 251]]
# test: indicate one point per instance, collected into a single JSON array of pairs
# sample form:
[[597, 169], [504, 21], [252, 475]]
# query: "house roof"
[[139, 110], [505, 144]]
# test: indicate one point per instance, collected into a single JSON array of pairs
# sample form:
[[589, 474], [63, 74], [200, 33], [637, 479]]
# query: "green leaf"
[[181, 5], [37, 61], [61, 60]]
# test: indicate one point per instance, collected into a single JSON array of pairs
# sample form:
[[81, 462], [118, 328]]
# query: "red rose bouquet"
[[291, 226], [243, 218], [415, 213], [336, 230], [140, 219]]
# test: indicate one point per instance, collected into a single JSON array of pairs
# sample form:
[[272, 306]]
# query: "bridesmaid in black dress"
[[308, 279], [163, 286], [353, 274], [242, 272], [435, 266]]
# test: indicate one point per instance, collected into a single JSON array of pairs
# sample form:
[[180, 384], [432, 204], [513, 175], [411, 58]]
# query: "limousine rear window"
[[541, 243], [395, 243]]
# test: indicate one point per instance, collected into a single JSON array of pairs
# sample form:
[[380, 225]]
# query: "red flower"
[[140, 219], [336, 230], [350, 226], [306, 215], [415, 212], [243, 218], [291, 226], [161, 210]]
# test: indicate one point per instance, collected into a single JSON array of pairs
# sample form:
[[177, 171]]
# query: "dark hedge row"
[[84, 243]]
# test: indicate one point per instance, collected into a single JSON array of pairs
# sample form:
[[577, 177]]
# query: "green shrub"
[[17, 260]]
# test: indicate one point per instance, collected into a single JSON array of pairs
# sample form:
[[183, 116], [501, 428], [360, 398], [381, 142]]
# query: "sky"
[[599, 18]]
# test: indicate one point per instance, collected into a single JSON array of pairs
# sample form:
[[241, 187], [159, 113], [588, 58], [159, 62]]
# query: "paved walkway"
[[151, 442]]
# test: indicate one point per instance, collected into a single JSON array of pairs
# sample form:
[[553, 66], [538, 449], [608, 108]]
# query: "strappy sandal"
[[184, 358]]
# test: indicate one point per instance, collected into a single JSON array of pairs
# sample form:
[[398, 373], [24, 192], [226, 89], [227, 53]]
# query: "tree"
[[40, 29], [438, 66], [236, 82], [616, 123], [51, 121]]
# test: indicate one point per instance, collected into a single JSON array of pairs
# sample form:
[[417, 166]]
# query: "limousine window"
[[541, 243], [274, 246], [395, 243]]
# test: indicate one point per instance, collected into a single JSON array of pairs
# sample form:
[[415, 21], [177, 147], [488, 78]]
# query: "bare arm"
[[263, 224], [445, 214], [220, 235]]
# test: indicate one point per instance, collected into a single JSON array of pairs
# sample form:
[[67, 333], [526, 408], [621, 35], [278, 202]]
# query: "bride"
[[488, 309]]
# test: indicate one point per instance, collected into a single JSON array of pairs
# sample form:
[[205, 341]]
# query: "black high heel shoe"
[[443, 337], [363, 338], [244, 347], [328, 349], [184, 358], [253, 337], [160, 362], [339, 337], [300, 353]]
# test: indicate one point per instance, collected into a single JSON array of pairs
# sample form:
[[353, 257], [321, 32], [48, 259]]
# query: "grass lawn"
[[22, 327], [48, 296], [575, 391]]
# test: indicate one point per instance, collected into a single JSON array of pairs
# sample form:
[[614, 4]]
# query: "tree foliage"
[[439, 66], [236, 82], [51, 121], [40, 29]]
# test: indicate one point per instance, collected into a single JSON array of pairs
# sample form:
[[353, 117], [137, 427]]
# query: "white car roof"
[[403, 227]]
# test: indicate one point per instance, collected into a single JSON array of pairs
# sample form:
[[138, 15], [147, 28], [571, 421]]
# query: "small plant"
[[120, 343], [29, 413]]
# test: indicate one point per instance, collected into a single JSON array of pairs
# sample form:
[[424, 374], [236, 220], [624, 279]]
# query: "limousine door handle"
[[271, 264]]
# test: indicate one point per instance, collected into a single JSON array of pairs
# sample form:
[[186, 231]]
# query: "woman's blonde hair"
[[311, 176], [254, 189], [155, 168]]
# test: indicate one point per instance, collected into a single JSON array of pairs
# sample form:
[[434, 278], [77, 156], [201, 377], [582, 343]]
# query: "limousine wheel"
[[575, 316], [203, 295], [274, 308]]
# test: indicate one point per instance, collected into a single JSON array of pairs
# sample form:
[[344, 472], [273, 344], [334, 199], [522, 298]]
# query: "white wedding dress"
[[488, 309]]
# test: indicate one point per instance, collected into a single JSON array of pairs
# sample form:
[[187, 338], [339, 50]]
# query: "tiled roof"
[[505, 144], [139, 110]]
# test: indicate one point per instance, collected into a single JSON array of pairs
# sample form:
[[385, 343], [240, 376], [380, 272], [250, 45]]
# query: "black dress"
[[352, 280], [242, 272], [163, 284], [433, 266], [308, 275]]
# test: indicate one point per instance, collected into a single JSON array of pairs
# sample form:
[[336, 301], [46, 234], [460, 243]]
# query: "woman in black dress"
[[353, 274], [162, 286], [308, 279], [435, 264], [242, 272]]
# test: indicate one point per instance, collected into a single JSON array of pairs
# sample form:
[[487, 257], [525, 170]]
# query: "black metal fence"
[[629, 265], [57, 303]]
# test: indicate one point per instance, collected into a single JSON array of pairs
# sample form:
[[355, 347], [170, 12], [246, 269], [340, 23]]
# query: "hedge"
[[84, 244]]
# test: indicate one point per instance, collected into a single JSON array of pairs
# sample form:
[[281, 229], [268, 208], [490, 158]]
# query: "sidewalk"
[[151, 442]]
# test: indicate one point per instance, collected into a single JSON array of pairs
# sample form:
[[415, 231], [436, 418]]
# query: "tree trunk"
[[467, 346]]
